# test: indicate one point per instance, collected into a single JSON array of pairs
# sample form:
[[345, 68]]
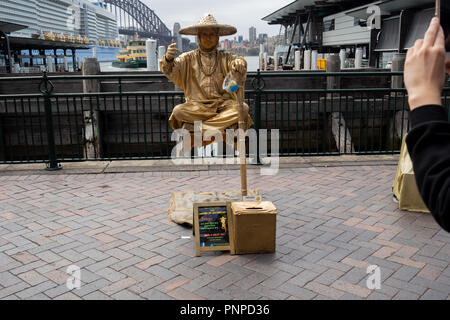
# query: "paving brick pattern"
[[332, 224]]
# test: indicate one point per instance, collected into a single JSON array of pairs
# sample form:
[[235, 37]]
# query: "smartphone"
[[443, 12]]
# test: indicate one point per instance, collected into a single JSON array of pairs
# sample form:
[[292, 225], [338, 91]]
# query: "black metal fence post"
[[46, 87]]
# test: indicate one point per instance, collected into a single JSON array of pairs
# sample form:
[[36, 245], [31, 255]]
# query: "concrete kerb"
[[130, 166]]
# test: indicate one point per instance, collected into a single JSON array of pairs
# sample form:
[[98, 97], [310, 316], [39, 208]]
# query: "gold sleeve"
[[175, 70]]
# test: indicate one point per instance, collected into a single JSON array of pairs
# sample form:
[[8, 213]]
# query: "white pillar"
[[261, 56], [66, 64], [358, 58], [266, 62], [342, 55], [180, 43], [16, 68], [151, 55], [50, 65], [307, 61], [161, 53], [314, 55], [297, 60]]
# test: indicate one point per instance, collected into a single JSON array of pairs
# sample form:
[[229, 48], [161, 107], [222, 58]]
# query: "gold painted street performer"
[[201, 73]]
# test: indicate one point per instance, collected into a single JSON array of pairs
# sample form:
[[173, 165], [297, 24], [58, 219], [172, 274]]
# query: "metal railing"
[[61, 127]]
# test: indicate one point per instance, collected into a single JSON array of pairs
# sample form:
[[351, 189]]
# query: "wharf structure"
[[365, 33]]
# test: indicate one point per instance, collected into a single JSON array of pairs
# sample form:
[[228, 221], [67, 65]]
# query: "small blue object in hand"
[[230, 84]]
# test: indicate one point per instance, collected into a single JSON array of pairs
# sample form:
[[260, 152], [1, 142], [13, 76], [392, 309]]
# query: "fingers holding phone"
[[425, 68]]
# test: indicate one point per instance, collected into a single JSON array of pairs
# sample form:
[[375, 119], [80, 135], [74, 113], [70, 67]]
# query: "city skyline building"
[[177, 35], [252, 34]]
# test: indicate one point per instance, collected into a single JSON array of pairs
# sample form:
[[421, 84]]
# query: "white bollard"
[[161, 53], [151, 55], [265, 61], [314, 60], [261, 56], [342, 56], [50, 66], [358, 58], [297, 60], [307, 61]]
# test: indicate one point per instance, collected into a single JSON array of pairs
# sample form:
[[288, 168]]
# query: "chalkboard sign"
[[213, 227]]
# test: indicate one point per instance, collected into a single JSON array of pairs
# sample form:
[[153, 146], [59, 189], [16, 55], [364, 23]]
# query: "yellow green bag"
[[405, 186]]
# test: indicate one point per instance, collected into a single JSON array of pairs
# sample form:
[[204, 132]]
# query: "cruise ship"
[[66, 18]]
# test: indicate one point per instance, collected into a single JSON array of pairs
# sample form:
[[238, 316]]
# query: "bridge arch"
[[134, 16]]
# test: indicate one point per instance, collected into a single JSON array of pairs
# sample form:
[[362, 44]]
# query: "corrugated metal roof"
[[287, 10], [327, 7], [8, 27], [388, 7], [30, 43]]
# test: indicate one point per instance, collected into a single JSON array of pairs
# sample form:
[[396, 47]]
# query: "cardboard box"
[[254, 227]]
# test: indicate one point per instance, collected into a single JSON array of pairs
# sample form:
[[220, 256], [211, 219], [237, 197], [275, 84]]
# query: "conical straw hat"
[[208, 21]]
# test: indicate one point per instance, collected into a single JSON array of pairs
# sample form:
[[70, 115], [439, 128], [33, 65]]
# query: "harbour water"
[[252, 61]]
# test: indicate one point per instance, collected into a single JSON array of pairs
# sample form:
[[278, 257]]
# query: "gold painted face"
[[208, 39]]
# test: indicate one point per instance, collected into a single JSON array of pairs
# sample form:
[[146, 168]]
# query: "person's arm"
[[174, 68], [429, 147], [429, 139]]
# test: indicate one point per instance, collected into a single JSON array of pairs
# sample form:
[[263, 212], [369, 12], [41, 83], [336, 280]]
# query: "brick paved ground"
[[332, 224]]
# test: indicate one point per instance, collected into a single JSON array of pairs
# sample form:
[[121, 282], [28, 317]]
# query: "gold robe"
[[201, 81]]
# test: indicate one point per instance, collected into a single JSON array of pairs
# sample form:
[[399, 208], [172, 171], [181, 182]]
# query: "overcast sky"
[[241, 14]]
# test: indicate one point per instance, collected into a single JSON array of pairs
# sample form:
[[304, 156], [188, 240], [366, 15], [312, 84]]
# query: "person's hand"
[[239, 65], [171, 51], [425, 68]]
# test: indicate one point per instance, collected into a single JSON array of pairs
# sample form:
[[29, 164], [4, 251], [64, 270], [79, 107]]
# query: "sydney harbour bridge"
[[135, 17]]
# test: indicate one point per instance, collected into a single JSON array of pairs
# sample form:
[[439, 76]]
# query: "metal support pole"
[[74, 60], [30, 51], [241, 135], [241, 144], [8, 53], [297, 19], [42, 54], [56, 60], [46, 87], [373, 57]]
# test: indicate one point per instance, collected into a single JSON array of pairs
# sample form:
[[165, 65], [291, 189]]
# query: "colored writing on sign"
[[213, 226]]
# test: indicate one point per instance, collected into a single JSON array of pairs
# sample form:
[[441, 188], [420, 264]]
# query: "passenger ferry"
[[134, 56]]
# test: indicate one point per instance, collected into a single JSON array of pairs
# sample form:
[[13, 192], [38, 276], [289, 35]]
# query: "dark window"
[[356, 22], [328, 25]]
